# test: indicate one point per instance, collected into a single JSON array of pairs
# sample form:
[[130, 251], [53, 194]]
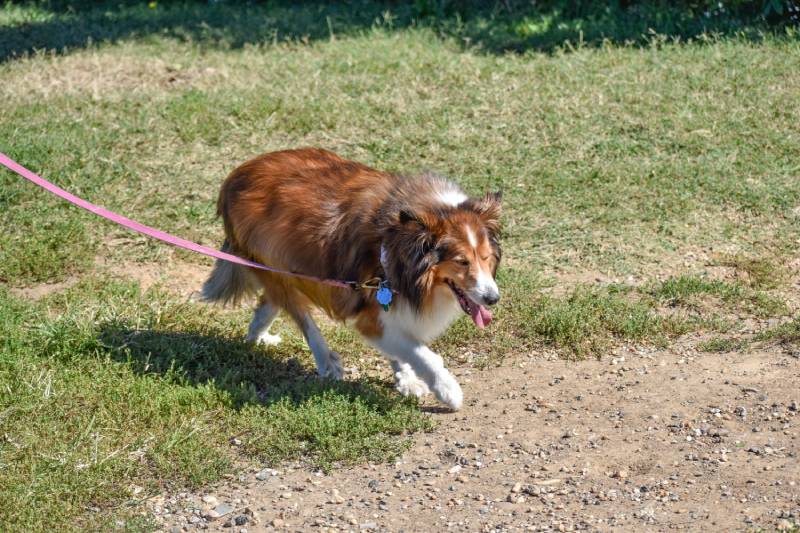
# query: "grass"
[[677, 165], [494, 27], [721, 345], [685, 289], [757, 272], [590, 319], [106, 388], [628, 156], [788, 333]]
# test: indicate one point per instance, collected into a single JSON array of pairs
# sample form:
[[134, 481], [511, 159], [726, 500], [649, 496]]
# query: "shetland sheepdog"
[[311, 212]]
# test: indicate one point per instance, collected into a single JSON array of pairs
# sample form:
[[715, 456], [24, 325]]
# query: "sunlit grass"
[[105, 388]]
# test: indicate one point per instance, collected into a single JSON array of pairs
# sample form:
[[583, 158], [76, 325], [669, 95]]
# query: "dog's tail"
[[228, 282]]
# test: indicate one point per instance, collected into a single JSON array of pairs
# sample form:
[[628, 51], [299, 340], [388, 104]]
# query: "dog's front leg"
[[427, 365], [406, 381]]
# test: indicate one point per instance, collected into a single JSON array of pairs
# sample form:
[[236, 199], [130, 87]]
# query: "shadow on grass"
[[495, 27], [245, 373]]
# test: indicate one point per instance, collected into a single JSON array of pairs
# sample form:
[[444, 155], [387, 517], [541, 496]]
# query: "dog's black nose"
[[491, 299]]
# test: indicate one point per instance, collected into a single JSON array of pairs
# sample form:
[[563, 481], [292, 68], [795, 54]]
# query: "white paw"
[[267, 339], [333, 367], [408, 384], [448, 391]]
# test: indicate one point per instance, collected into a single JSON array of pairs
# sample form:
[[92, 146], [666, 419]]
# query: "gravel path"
[[643, 440]]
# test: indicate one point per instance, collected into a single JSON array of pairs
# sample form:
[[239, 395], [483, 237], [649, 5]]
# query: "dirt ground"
[[641, 440]]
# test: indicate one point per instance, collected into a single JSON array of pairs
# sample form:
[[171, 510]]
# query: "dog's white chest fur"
[[427, 324]]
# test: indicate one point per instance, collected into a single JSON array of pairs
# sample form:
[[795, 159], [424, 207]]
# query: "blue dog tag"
[[384, 296]]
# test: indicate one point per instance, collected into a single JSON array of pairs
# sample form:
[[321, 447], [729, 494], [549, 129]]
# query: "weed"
[[758, 272], [788, 333], [721, 345], [684, 289]]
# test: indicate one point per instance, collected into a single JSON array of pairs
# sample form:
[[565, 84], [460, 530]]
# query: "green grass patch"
[[589, 320], [680, 289], [105, 388], [685, 290], [43, 245], [494, 27], [721, 345], [788, 333], [758, 272]]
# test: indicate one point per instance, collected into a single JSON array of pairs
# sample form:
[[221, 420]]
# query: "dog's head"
[[456, 248]]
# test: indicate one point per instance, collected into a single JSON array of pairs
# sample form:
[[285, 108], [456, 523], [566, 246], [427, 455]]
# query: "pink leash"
[[160, 235]]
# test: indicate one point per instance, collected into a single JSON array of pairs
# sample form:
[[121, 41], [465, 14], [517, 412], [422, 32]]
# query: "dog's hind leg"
[[282, 295], [406, 381], [329, 364], [263, 318]]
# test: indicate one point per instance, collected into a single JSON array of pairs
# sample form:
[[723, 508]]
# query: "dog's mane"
[[413, 224]]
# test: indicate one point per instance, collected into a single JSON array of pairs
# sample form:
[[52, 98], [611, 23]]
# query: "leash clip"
[[384, 294], [373, 283]]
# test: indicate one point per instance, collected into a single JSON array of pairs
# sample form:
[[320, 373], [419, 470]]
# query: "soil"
[[179, 277], [184, 279], [642, 440]]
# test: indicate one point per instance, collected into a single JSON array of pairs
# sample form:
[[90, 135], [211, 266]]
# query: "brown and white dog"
[[312, 212]]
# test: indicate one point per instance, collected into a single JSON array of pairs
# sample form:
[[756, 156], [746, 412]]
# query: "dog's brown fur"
[[312, 212]]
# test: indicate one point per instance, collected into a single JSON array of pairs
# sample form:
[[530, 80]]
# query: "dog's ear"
[[411, 254], [488, 209], [420, 223], [406, 216], [423, 221], [418, 229]]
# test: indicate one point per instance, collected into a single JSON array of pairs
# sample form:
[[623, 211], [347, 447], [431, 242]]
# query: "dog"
[[309, 211]]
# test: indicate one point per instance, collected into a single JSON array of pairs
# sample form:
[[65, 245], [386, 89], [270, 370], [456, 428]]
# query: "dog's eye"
[[462, 262]]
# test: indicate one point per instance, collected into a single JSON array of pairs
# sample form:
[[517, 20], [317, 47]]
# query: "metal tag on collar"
[[384, 295]]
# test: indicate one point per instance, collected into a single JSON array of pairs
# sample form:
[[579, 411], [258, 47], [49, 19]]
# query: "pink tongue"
[[480, 315]]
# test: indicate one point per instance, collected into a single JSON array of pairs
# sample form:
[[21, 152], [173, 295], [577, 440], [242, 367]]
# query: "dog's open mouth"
[[480, 315]]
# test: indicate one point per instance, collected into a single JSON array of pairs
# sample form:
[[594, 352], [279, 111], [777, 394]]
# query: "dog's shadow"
[[248, 374]]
